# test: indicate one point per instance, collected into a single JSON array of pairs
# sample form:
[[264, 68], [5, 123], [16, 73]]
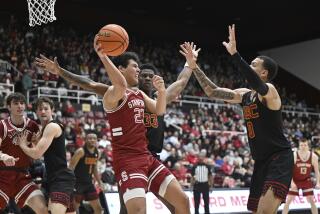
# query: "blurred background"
[[286, 31]]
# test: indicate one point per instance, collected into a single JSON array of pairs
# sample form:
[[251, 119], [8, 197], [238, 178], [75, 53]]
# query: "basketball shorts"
[[274, 172], [144, 173], [17, 185], [61, 191], [305, 186], [85, 191]]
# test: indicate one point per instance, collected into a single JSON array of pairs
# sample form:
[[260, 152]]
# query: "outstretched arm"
[[81, 81], [119, 84], [266, 90], [175, 89], [211, 89]]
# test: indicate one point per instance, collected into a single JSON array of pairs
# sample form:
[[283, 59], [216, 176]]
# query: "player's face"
[[17, 108], [91, 140], [304, 146], [257, 66], [44, 112], [131, 73], [145, 79]]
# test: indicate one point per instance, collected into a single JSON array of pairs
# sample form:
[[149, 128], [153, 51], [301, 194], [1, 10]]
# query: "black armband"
[[253, 79]]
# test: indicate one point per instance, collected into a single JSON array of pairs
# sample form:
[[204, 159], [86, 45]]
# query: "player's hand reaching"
[[195, 51], [158, 83], [97, 47], [22, 140], [317, 186], [231, 46], [47, 64], [8, 160], [35, 138], [189, 51]]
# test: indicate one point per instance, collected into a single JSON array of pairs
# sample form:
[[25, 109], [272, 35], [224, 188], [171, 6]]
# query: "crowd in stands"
[[219, 131]]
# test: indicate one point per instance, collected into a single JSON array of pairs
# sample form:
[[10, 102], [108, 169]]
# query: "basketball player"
[[84, 163], [51, 145], [15, 181], [262, 113], [155, 128], [136, 170], [305, 161]]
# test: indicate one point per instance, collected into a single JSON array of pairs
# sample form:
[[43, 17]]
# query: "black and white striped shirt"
[[201, 172]]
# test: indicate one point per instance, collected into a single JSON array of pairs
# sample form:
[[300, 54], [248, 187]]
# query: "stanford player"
[[15, 181], [136, 169], [261, 106], [51, 145], [304, 162]]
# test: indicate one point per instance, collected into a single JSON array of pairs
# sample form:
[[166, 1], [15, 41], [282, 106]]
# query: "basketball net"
[[41, 11]]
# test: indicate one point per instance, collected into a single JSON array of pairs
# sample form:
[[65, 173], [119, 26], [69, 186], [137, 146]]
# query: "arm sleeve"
[[253, 79]]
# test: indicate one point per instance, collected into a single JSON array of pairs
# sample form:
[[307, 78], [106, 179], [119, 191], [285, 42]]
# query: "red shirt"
[[9, 146], [302, 169], [127, 127]]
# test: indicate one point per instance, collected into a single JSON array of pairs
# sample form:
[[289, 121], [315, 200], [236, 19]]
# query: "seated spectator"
[[68, 110]]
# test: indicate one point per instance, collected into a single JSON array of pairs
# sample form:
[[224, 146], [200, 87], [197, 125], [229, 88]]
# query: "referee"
[[201, 181]]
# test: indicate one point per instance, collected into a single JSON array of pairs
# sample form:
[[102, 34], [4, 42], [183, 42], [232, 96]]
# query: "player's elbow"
[[160, 112], [37, 154]]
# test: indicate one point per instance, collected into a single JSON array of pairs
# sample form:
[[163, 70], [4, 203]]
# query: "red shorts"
[[142, 172], [305, 186], [15, 185]]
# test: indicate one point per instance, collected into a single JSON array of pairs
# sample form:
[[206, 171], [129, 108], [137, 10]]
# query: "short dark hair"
[[15, 97], [270, 65], [41, 100], [149, 66], [90, 132], [123, 59]]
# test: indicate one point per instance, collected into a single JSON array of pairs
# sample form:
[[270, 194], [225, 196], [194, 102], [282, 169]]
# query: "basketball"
[[114, 39]]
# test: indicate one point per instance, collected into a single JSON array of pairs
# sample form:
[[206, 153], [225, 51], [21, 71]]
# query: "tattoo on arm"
[[221, 94], [211, 89], [81, 81], [203, 79]]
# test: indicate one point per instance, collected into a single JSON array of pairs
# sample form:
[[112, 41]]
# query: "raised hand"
[[158, 83], [195, 51], [47, 64], [97, 47], [231, 46], [189, 52]]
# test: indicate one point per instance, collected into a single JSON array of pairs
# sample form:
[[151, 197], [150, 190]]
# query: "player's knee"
[[183, 202], [265, 210], [310, 199], [97, 208], [138, 209], [41, 209]]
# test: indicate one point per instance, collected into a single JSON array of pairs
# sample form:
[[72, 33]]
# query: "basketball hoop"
[[41, 11]]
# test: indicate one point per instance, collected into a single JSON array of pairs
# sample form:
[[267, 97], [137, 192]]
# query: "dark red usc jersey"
[[127, 126], [302, 169], [9, 133]]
